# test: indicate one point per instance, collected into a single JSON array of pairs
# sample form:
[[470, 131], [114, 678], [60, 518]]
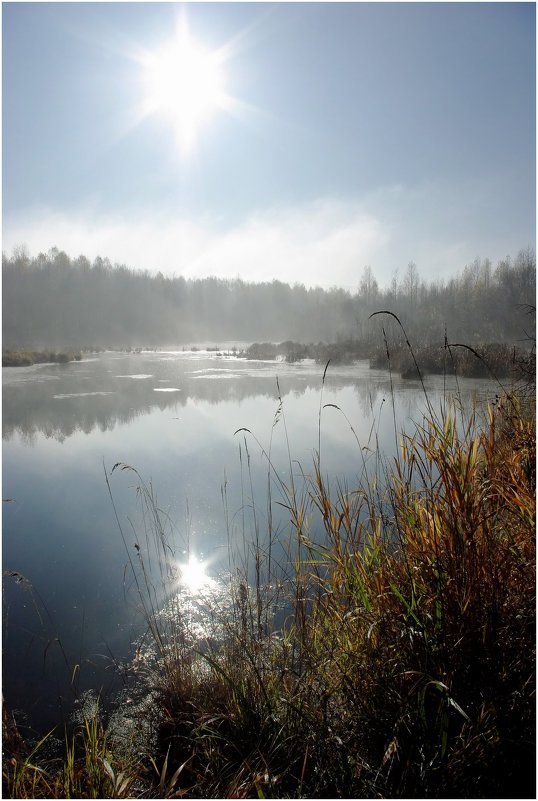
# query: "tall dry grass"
[[405, 666]]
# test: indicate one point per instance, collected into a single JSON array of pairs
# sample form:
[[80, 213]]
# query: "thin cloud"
[[319, 244]]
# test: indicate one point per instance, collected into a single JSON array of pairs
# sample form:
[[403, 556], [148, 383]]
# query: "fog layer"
[[52, 300]]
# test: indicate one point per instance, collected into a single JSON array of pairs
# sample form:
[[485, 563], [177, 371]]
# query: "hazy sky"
[[302, 142]]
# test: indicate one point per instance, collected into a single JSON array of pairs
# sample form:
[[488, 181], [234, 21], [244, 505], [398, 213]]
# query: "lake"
[[69, 612]]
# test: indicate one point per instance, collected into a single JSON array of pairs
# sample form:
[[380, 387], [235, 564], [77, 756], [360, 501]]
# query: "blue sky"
[[353, 134]]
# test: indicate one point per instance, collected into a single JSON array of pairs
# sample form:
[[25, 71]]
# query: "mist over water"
[[70, 609]]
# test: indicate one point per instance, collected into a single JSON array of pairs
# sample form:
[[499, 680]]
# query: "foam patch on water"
[[210, 370], [82, 394], [216, 375], [138, 375], [166, 389]]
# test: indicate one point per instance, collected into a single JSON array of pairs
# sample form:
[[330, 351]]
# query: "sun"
[[184, 82]]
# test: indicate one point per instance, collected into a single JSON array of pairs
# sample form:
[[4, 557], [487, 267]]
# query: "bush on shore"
[[485, 361], [25, 358]]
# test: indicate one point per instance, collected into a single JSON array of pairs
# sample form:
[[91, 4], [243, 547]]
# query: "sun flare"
[[185, 82]]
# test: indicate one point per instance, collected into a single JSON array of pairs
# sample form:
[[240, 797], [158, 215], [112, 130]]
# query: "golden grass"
[[407, 664]]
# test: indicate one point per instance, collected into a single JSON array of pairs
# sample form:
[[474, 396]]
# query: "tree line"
[[54, 301]]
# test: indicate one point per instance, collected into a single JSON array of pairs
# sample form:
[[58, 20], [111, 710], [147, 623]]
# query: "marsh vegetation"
[[25, 358]]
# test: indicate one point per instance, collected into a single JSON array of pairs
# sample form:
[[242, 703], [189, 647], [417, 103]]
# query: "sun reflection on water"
[[193, 576]]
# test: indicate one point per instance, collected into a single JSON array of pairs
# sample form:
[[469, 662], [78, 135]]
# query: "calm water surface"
[[69, 608]]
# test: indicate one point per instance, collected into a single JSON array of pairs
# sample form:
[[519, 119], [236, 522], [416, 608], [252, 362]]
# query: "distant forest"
[[58, 302]]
